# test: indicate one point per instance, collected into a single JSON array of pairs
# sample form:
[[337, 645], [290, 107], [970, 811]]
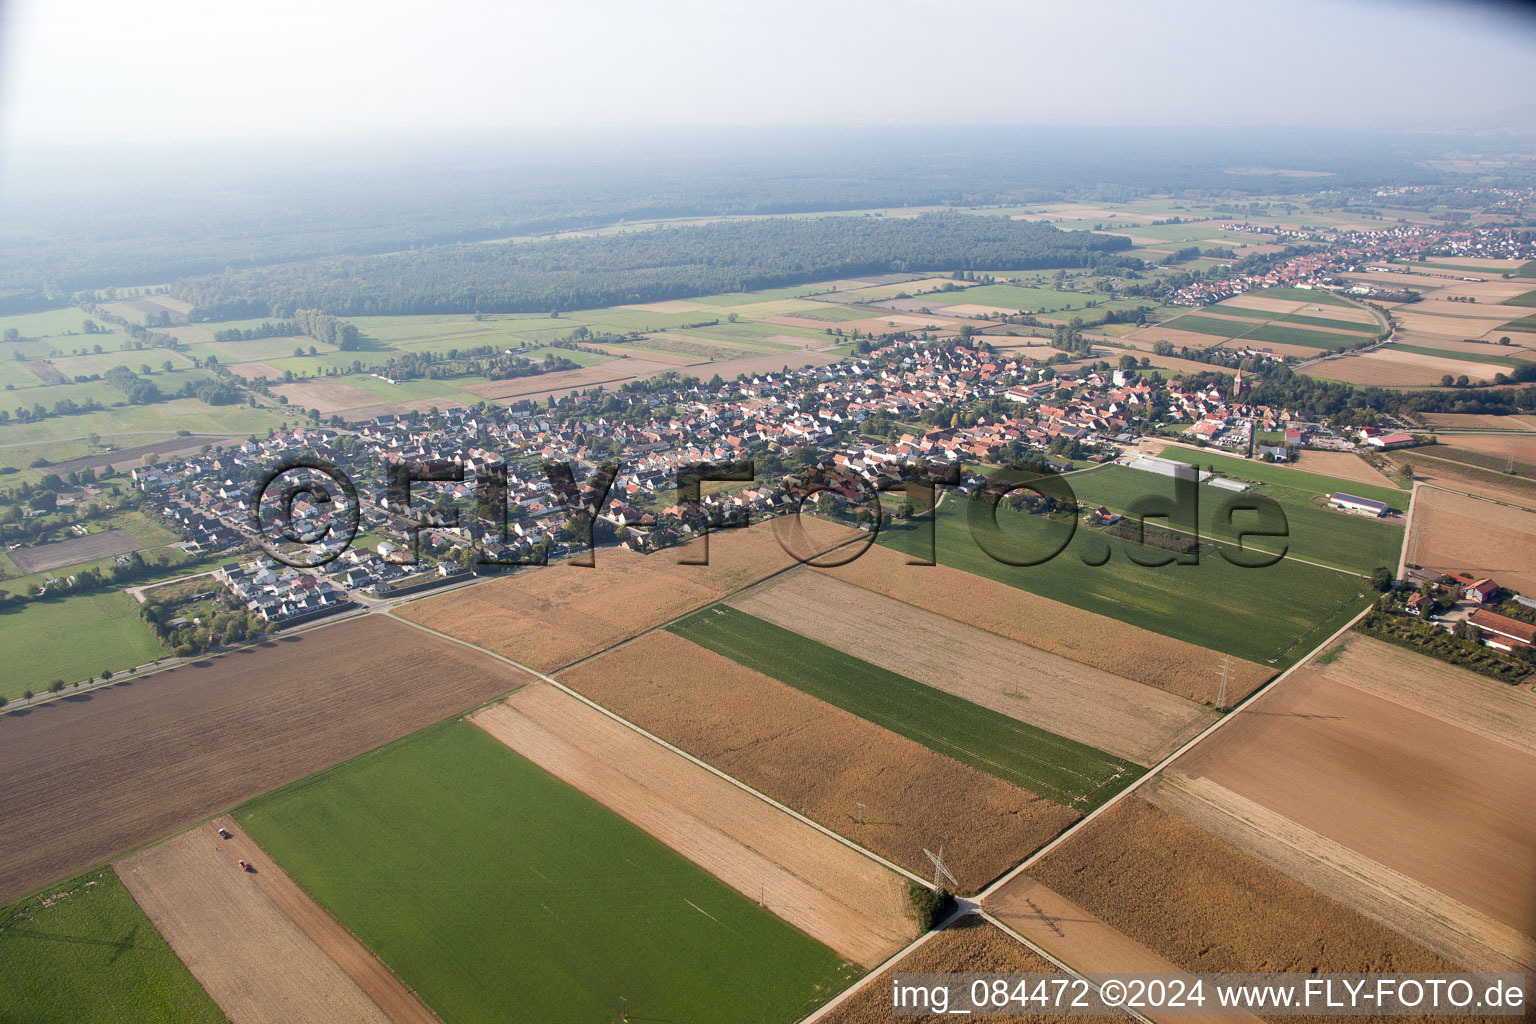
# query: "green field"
[[162, 418], [1319, 296], [1072, 774], [1269, 615], [499, 893], [1528, 299], [72, 638], [1223, 309], [52, 324], [1012, 297], [1275, 334], [1527, 270], [1316, 533], [1471, 357], [1300, 482], [92, 955], [1525, 323]]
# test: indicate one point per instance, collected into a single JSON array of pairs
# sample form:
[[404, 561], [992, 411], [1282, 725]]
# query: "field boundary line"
[[679, 751]]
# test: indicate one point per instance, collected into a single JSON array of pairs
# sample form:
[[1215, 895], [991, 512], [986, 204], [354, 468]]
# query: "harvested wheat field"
[[822, 761], [255, 962], [1414, 910], [1479, 421], [828, 890], [1468, 700], [548, 618], [329, 396], [1086, 704], [252, 370], [1458, 533], [1205, 906], [542, 384], [969, 946], [1459, 476], [1342, 466], [108, 770], [1395, 368], [1115, 647], [1500, 446], [1077, 937], [1438, 803]]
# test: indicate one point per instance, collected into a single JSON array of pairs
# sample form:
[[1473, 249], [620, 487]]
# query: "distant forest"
[[645, 266], [151, 216]]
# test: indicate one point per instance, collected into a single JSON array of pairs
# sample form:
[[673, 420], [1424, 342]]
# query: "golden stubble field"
[[1455, 532], [1436, 795], [828, 890], [1202, 904], [550, 617], [821, 760]]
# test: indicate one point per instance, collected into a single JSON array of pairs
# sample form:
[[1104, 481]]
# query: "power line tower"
[[940, 872], [1225, 669]]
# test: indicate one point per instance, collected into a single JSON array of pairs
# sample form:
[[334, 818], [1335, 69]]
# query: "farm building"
[[1482, 591], [1501, 631], [1359, 506], [1388, 441], [1229, 485], [1167, 467]]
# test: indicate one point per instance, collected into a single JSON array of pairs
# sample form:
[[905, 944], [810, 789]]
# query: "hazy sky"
[[108, 70]]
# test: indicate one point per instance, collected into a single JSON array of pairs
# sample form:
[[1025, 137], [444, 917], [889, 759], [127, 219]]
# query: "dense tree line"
[[668, 263], [327, 328], [138, 390], [267, 329]]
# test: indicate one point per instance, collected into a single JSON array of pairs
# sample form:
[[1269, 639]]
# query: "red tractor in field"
[[246, 865]]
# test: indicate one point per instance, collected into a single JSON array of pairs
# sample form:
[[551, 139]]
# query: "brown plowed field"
[[548, 618], [1086, 704], [969, 946], [828, 890], [74, 550], [89, 776], [1207, 907], [1438, 803], [1117, 648], [821, 760], [1456, 533], [256, 963]]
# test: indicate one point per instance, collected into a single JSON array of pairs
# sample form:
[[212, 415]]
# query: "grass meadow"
[[72, 638], [92, 955], [499, 893]]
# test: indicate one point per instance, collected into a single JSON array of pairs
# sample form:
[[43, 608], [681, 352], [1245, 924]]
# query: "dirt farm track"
[[94, 775]]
